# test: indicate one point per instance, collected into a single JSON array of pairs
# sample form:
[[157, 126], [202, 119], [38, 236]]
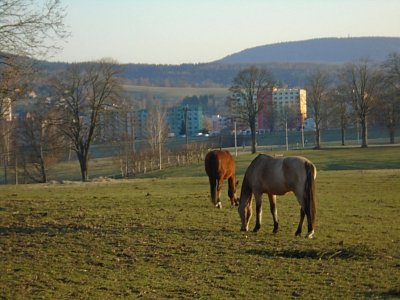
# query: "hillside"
[[289, 62], [324, 50]]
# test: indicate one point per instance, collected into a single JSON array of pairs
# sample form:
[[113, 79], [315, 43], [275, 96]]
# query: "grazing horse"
[[278, 176], [219, 165]]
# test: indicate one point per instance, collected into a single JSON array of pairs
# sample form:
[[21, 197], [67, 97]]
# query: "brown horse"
[[278, 176], [219, 165]]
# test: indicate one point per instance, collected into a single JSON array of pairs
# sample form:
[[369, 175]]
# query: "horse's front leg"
[[258, 198], [245, 212], [274, 211], [299, 228]]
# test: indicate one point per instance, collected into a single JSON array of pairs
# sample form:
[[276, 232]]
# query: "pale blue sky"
[[197, 31]]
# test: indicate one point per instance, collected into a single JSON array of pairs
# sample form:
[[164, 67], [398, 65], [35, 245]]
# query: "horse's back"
[[219, 163], [264, 175], [295, 170], [295, 164], [276, 175]]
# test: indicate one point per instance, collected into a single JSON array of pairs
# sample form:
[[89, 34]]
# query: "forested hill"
[[291, 63], [324, 50], [214, 74]]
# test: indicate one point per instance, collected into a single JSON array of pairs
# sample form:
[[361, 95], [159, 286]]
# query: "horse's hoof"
[[256, 229], [310, 235], [218, 205], [297, 234], [243, 229]]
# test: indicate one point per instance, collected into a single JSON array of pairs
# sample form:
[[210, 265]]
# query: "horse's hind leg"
[[258, 198], [231, 191], [310, 233], [302, 215], [219, 188], [274, 211], [213, 190], [304, 212]]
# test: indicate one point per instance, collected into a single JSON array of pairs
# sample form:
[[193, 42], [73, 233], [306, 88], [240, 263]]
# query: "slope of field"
[[174, 94], [161, 238]]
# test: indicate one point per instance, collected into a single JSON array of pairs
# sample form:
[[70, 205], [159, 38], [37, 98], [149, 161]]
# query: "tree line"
[[360, 91]]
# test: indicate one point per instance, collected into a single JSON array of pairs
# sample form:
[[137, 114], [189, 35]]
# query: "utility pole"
[[286, 133], [236, 153], [185, 115]]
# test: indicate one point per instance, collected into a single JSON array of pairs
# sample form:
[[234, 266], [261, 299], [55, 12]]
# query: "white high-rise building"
[[290, 104]]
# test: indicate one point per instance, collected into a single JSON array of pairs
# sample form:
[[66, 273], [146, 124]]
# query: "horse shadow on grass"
[[350, 252]]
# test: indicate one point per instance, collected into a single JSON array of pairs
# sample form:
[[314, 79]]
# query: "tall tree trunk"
[[317, 137], [392, 132], [392, 127], [253, 139], [364, 132], [83, 162], [342, 130], [42, 166], [160, 150]]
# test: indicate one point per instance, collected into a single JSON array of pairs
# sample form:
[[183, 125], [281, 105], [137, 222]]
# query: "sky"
[[200, 31]]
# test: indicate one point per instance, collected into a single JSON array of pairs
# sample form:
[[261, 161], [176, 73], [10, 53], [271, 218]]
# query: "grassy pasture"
[[161, 238]]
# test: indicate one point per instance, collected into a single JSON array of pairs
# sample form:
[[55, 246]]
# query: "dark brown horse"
[[278, 176], [219, 165]]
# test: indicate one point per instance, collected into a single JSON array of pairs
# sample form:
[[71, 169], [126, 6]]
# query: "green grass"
[[330, 159], [161, 237]]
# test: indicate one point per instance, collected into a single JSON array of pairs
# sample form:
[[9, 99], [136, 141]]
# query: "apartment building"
[[178, 115], [290, 105], [280, 106]]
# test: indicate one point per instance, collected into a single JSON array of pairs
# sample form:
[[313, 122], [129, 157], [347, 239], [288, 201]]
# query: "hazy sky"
[[196, 31]]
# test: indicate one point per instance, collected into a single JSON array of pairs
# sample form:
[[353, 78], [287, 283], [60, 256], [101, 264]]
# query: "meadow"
[[175, 93], [159, 237]]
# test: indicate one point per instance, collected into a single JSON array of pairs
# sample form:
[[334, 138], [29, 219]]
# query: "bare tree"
[[15, 80], [40, 142], [31, 28], [157, 130], [317, 98], [126, 137], [361, 82], [340, 105], [84, 91], [243, 104], [387, 111], [389, 107], [27, 29]]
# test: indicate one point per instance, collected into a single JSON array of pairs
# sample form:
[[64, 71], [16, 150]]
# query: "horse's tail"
[[310, 201], [214, 178]]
